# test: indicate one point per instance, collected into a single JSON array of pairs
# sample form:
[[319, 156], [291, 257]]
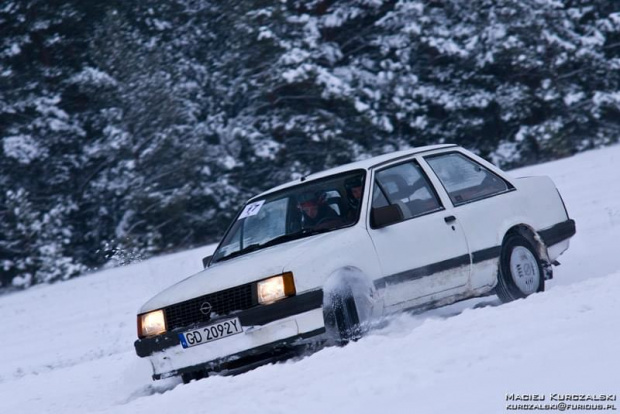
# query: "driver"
[[314, 212]]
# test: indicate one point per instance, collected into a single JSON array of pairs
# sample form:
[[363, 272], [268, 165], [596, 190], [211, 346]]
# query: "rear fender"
[[533, 237]]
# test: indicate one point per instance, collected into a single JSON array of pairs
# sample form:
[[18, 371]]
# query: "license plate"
[[210, 333]]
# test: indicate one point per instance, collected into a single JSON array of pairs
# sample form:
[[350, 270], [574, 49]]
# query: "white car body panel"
[[557, 249], [311, 271]]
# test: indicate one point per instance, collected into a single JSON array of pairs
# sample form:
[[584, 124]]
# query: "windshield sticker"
[[251, 209]]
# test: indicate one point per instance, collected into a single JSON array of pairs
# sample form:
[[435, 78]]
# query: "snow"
[[14, 50], [22, 148], [572, 98], [361, 106], [68, 347], [265, 33], [94, 77]]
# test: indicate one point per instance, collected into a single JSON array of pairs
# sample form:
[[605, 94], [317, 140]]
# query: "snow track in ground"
[[68, 348]]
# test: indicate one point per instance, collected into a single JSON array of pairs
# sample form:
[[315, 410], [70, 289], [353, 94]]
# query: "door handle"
[[449, 219]]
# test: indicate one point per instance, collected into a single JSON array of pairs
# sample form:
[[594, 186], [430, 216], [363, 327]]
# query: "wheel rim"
[[524, 270]]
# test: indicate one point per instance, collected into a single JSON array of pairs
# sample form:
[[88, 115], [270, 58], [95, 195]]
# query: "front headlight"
[[275, 288], [151, 323]]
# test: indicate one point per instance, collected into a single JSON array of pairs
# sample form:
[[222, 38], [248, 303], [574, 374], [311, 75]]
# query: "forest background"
[[129, 129]]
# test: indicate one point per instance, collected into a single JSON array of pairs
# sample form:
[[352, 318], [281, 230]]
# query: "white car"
[[315, 260]]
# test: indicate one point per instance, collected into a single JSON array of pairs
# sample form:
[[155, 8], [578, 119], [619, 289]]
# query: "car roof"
[[358, 165]]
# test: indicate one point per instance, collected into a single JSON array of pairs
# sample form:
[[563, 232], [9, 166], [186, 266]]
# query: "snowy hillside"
[[68, 348]]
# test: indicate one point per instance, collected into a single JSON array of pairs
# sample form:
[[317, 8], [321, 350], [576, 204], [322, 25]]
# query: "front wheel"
[[521, 271], [342, 319]]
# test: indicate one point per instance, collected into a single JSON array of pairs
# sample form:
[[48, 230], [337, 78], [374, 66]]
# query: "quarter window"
[[464, 179], [405, 185], [378, 199]]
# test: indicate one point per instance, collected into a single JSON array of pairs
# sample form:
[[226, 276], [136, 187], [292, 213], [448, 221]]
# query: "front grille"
[[184, 314]]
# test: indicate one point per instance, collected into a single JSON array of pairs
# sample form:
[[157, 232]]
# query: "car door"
[[424, 255], [482, 202]]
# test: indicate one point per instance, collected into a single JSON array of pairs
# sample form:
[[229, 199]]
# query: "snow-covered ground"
[[68, 348]]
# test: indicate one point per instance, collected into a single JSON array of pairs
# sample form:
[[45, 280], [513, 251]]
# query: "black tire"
[[341, 318], [521, 272], [193, 376], [186, 378]]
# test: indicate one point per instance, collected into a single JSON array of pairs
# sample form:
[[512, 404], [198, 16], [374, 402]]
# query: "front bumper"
[[269, 330]]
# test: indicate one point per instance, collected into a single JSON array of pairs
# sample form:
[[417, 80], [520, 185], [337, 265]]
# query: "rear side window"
[[464, 179], [406, 186]]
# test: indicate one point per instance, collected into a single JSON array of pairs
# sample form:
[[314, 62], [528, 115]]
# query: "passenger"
[[354, 187]]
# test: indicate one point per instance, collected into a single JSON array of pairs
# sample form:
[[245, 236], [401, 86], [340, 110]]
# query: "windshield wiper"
[[293, 236], [246, 249], [277, 240]]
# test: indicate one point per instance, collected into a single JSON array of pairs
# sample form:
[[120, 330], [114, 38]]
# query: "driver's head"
[[310, 208], [309, 204]]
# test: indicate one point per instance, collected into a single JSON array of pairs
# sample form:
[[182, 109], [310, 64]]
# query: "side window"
[[378, 199], [406, 186], [464, 179]]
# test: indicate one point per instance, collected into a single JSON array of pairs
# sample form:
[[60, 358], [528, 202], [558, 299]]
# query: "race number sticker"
[[251, 209]]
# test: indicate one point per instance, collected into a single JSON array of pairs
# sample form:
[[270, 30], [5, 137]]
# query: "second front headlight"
[[275, 288]]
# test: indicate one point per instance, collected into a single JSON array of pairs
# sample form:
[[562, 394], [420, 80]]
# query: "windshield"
[[303, 210]]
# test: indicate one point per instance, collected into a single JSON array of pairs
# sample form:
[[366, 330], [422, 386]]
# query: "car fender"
[[352, 280], [349, 247], [520, 226], [539, 207], [541, 201]]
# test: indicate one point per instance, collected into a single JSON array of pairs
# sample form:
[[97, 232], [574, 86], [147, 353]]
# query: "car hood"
[[234, 272]]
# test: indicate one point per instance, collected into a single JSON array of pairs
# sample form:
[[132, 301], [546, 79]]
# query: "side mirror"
[[384, 216], [206, 261]]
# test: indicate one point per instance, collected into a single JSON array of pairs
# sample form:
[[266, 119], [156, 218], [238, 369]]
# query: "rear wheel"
[[521, 271]]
